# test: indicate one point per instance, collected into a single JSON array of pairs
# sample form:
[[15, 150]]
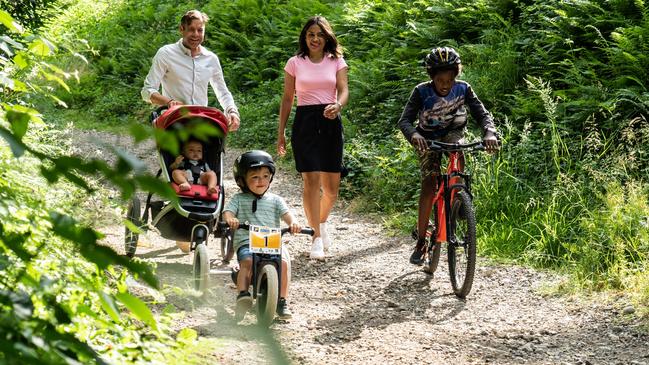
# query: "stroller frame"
[[195, 215]]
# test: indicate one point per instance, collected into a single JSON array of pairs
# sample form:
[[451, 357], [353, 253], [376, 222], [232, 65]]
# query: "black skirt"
[[317, 141]]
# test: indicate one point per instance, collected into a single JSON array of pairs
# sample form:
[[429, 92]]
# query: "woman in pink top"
[[317, 74]]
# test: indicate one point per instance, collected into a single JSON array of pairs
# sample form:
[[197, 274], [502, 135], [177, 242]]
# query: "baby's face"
[[194, 150]]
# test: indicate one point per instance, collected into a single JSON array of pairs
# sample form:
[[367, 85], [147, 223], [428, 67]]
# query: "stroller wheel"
[[201, 268], [133, 216]]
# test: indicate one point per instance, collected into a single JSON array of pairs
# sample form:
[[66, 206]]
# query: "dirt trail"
[[366, 303]]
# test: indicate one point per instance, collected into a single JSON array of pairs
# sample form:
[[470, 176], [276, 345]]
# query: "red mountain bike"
[[453, 220]]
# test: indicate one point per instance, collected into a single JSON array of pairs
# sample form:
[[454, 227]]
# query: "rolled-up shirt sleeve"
[[221, 90], [154, 77]]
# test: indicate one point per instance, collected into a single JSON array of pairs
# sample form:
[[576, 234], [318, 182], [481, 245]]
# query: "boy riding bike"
[[253, 172], [436, 110]]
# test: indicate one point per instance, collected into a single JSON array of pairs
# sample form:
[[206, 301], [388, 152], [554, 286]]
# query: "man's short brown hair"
[[191, 16]]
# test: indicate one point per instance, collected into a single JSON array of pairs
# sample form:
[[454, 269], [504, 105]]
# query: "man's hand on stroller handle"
[[233, 122]]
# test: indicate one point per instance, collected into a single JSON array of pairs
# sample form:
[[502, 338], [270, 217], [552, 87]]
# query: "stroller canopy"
[[185, 112]]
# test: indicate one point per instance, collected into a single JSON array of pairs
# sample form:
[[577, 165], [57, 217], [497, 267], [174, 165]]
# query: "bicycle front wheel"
[[462, 244]]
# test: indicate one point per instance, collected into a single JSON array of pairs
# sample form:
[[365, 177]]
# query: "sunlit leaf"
[[9, 22], [17, 147], [19, 122], [20, 61], [5, 48], [139, 132], [66, 227], [109, 306], [82, 57], [58, 101], [58, 80], [41, 47], [187, 335], [138, 308], [156, 186]]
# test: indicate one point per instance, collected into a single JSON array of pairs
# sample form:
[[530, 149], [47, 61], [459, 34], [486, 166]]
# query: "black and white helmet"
[[249, 160], [442, 58]]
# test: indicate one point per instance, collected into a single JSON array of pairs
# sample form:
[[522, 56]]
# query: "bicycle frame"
[[448, 185]]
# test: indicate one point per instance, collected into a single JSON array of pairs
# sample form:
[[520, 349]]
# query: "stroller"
[[197, 213]]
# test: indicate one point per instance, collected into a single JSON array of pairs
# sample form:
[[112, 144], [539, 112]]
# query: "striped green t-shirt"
[[270, 209]]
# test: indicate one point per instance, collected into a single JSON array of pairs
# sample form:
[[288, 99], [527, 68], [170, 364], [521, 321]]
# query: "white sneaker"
[[326, 240], [317, 251]]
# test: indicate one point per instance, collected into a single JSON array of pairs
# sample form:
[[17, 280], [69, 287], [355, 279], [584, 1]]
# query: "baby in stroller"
[[190, 166]]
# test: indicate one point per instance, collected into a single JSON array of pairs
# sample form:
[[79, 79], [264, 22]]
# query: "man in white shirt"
[[185, 69]]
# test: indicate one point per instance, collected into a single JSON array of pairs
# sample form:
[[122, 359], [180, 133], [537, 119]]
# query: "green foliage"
[[566, 80], [63, 296]]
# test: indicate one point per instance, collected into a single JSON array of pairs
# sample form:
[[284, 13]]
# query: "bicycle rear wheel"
[[267, 295], [462, 244]]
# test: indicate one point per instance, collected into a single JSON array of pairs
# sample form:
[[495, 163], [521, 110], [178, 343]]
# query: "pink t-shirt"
[[315, 83]]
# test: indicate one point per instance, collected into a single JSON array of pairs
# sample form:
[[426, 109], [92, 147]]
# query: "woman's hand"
[[281, 144], [331, 111], [490, 142]]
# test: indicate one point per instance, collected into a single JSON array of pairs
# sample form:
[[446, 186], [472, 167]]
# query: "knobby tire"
[[462, 248]]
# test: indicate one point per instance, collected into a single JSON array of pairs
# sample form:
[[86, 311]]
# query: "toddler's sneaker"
[[317, 251], [244, 302], [282, 309], [417, 257], [326, 240]]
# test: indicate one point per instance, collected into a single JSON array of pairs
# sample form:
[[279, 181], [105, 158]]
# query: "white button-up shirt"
[[186, 78]]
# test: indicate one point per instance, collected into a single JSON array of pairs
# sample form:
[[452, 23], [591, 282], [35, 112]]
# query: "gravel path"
[[365, 303]]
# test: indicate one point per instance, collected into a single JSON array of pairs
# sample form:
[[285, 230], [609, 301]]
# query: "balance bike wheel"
[[267, 295], [227, 251]]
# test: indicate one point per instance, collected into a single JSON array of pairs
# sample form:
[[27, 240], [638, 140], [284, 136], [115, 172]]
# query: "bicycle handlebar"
[[246, 226], [454, 147]]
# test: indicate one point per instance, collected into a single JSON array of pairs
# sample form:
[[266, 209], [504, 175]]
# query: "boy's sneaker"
[[317, 249], [282, 309], [244, 302], [326, 240], [417, 257]]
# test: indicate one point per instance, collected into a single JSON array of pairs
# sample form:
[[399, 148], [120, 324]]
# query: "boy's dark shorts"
[[430, 161]]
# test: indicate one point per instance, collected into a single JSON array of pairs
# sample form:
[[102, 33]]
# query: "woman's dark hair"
[[331, 43]]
